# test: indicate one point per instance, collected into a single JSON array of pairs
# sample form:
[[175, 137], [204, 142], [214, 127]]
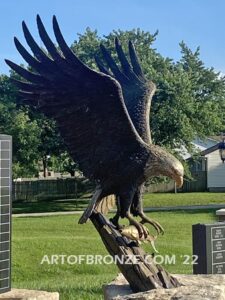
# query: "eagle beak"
[[179, 181]]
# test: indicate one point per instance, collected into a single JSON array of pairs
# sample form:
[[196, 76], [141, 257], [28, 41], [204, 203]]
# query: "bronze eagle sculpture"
[[103, 118]]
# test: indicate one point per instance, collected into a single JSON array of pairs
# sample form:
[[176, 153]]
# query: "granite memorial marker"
[[209, 246], [5, 212]]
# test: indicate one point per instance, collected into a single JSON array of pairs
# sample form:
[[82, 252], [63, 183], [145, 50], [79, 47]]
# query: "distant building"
[[207, 170], [215, 169]]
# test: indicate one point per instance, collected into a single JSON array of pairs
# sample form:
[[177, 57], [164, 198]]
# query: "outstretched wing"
[[137, 91], [87, 105]]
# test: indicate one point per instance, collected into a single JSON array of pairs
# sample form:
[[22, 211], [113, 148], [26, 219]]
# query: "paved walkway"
[[147, 209], [186, 207], [47, 214]]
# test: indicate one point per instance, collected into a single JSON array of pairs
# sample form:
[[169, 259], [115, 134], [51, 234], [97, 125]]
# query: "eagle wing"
[[88, 106], [137, 90]]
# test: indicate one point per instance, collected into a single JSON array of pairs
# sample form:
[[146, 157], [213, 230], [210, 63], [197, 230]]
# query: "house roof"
[[211, 149], [215, 138], [199, 145], [202, 146]]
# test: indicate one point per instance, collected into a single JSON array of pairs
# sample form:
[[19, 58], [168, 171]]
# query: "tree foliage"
[[34, 136], [25, 132]]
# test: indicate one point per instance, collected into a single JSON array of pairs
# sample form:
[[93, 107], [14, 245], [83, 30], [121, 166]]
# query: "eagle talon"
[[142, 230], [155, 224]]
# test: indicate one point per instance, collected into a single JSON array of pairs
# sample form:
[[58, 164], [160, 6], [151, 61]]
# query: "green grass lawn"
[[150, 200], [171, 199], [35, 237], [49, 206]]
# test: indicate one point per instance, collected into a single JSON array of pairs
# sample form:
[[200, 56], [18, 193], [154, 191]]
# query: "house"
[[208, 170], [215, 169]]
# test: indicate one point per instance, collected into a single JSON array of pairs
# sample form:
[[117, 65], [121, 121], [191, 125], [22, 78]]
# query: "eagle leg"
[[143, 231], [155, 224], [126, 198], [115, 219], [137, 210]]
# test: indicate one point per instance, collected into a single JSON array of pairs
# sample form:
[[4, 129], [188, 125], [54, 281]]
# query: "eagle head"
[[161, 162]]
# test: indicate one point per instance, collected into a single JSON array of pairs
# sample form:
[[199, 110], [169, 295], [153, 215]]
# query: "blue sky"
[[197, 22]]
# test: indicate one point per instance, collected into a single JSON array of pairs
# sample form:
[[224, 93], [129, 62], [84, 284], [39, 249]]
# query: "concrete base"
[[19, 294], [196, 287]]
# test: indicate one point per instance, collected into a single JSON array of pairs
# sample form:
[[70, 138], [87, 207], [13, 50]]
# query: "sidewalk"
[[185, 207], [47, 214], [146, 209]]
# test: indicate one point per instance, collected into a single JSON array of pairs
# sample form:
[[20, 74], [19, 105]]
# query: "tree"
[[63, 163], [25, 132], [207, 90], [51, 144], [35, 137]]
